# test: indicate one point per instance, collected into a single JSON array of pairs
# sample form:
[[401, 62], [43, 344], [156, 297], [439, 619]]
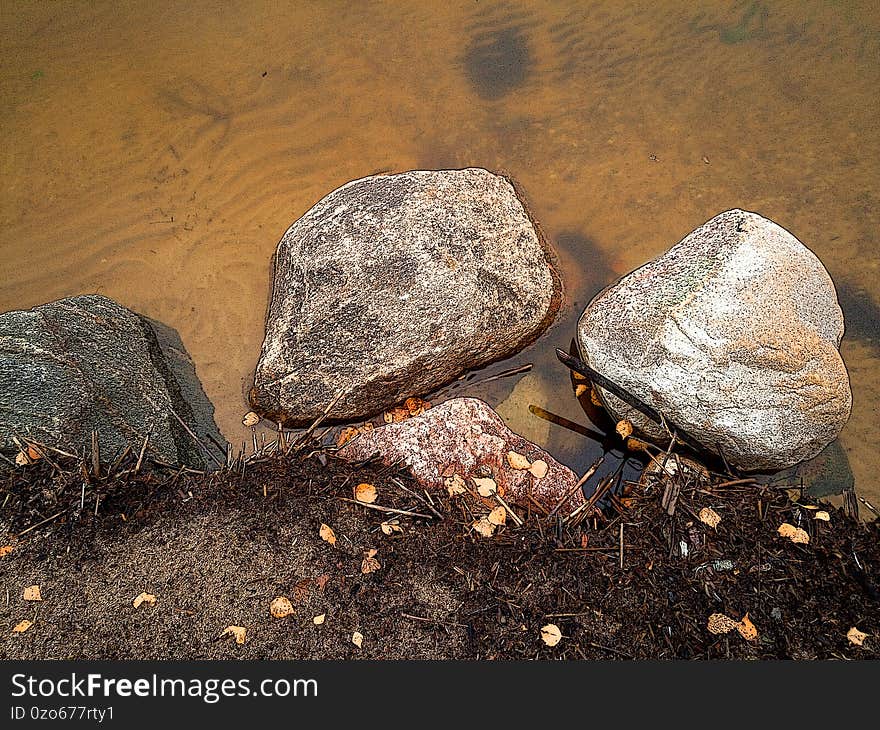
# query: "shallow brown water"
[[155, 152]]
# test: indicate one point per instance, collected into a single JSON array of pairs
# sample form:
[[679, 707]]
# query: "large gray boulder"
[[393, 285], [87, 363], [732, 334]]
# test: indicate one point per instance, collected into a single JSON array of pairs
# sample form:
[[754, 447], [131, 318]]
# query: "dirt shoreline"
[[216, 549]]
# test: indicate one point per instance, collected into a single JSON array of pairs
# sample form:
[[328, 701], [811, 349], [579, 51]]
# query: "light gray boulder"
[[393, 285], [733, 335], [87, 363]]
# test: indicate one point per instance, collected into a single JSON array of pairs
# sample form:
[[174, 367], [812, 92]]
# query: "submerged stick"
[[581, 367]]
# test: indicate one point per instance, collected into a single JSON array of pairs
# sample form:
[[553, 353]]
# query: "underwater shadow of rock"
[[498, 60]]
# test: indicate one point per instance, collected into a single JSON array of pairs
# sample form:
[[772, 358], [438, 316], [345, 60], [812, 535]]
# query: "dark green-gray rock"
[[87, 363], [393, 285]]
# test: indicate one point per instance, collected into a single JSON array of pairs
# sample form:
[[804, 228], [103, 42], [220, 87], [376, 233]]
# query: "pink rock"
[[466, 436]]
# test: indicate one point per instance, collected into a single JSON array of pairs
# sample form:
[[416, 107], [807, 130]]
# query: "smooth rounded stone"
[[733, 336], [392, 286], [87, 363], [466, 437]]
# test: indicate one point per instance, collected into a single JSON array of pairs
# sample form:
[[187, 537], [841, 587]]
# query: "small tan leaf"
[[580, 389], [747, 629], [634, 444], [498, 516], [594, 397], [22, 626], [720, 624], [327, 534], [795, 534], [250, 419], [239, 632], [483, 527], [455, 485], [365, 493], [32, 593], [539, 469], [319, 619], [551, 635], [856, 637], [144, 598], [346, 435], [5, 550], [357, 638], [822, 515], [624, 429], [281, 607], [390, 527], [369, 564], [22, 460], [486, 487], [710, 517], [517, 461], [33, 454]]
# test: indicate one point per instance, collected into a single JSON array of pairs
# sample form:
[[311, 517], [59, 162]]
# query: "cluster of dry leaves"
[[411, 407]]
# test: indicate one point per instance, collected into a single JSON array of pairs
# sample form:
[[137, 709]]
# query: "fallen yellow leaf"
[[32, 593], [319, 619], [250, 419], [486, 487], [624, 429], [551, 635], [455, 485], [497, 516], [633, 444], [22, 626], [357, 638], [21, 459], [365, 493], [517, 461], [239, 632], [369, 564], [580, 389], [33, 454], [390, 527], [856, 637], [144, 598], [346, 435], [822, 515], [720, 624], [710, 517], [594, 397], [281, 607], [483, 527], [747, 629], [795, 534], [327, 534], [539, 469], [5, 550]]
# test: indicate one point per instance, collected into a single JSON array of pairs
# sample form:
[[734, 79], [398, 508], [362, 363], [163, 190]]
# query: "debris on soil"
[[144, 598], [634, 573]]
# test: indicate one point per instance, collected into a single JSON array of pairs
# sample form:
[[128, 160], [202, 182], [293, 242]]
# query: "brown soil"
[[216, 549]]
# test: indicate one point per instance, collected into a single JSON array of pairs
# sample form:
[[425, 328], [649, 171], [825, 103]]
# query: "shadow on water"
[[498, 59], [861, 315]]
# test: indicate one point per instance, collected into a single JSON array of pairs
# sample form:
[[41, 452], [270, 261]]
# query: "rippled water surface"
[[155, 152]]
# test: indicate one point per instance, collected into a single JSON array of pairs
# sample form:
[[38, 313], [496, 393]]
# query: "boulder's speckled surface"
[[87, 363], [732, 334], [466, 436], [393, 285]]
